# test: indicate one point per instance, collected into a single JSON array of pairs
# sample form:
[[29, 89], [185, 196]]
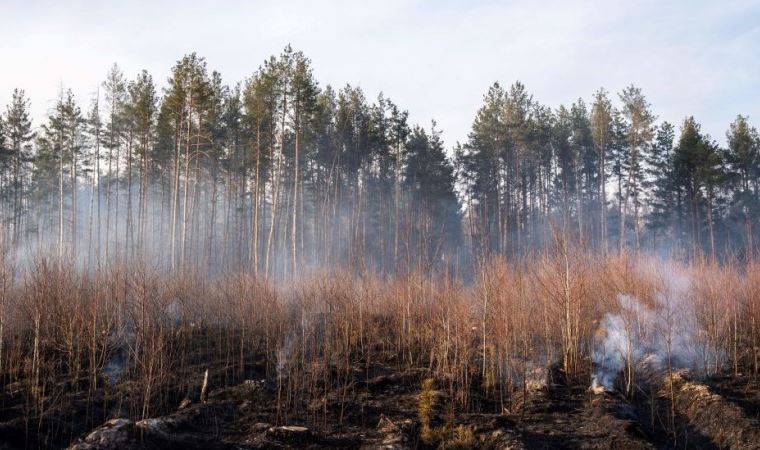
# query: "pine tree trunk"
[[254, 257], [710, 221], [603, 199], [276, 181], [210, 260], [128, 228], [108, 184], [185, 191], [74, 206], [60, 203], [175, 194], [97, 193], [295, 188]]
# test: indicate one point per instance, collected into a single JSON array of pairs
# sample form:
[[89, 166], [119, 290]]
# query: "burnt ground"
[[569, 417], [381, 411], [742, 390]]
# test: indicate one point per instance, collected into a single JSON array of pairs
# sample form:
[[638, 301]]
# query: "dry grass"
[[135, 342]]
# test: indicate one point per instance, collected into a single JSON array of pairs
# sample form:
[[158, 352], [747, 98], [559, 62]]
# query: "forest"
[[275, 263], [275, 174]]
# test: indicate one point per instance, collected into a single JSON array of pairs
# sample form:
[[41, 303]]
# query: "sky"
[[434, 58]]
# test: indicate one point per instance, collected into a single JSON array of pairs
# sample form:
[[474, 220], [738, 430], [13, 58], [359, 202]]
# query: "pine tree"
[[260, 104], [16, 136], [543, 152], [518, 106], [429, 179], [565, 177], [743, 157], [636, 110], [115, 96], [351, 127], [94, 132], [486, 145], [185, 98], [601, 128], [698, 171], [232, 162], [584, 164], [660, 182], [397, 138], [304, 104], [59, 150], [140, 111], [711, 173]]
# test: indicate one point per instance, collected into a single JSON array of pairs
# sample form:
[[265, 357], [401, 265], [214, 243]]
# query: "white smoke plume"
[[652, 338]]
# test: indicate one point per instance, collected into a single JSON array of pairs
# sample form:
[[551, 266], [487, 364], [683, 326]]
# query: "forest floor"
[[382, 411]]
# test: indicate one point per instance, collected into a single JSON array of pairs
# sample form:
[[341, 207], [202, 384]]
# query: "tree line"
[[610, 177], [277, 173]]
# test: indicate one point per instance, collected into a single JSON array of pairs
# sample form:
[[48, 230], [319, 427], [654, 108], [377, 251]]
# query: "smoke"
[[284, 354], [221, 226], [652, 338], [114, 367]]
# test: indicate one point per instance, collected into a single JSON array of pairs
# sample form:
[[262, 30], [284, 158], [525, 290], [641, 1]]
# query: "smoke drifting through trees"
[[275, 174], [141, 233]]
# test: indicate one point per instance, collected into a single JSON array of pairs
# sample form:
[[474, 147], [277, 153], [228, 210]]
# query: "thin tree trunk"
[[603, 199], [128, 243], [294, 230], [60, 202], [276, 181], [74, 206]]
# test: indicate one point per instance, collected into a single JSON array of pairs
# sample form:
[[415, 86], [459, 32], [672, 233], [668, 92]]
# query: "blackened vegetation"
[[119, 360]]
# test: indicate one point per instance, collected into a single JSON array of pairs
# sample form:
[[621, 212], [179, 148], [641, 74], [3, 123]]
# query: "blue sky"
[[435, 58]]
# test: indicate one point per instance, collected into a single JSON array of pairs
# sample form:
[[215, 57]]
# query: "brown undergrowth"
[[78, 348]]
